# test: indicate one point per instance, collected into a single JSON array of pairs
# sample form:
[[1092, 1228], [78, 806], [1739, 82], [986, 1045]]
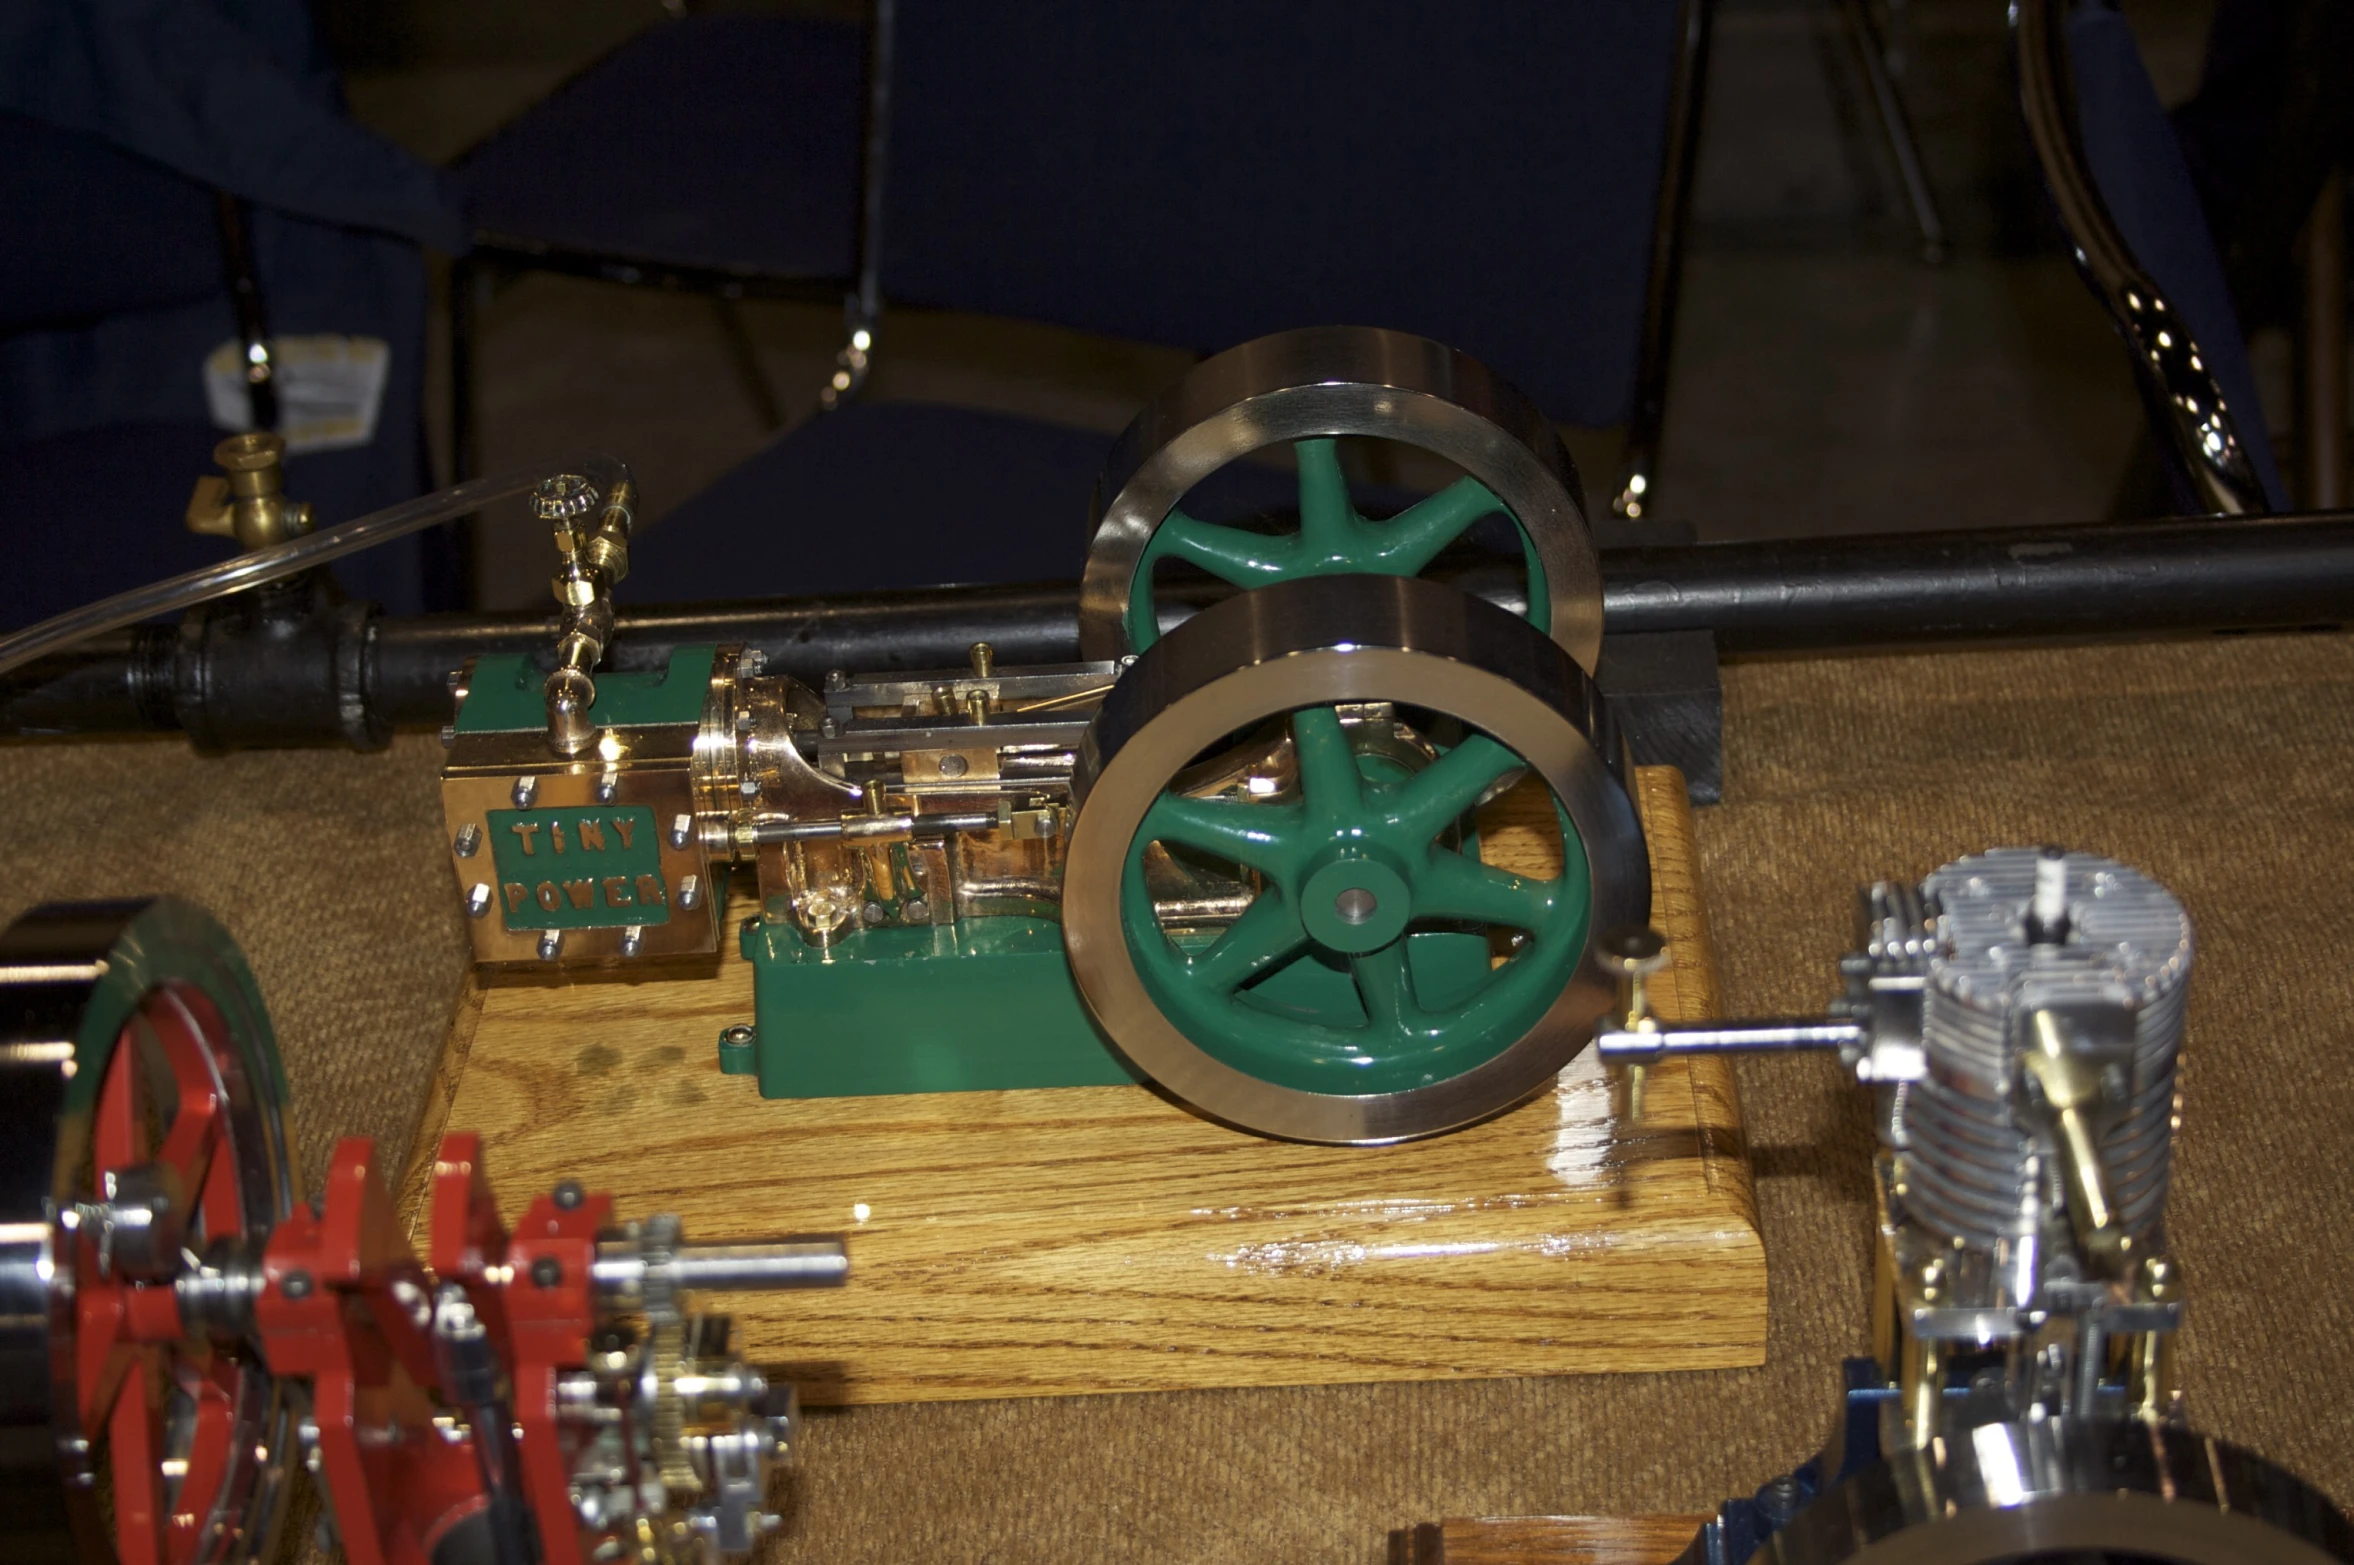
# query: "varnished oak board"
[[1104, 1239], [1545, 1540]]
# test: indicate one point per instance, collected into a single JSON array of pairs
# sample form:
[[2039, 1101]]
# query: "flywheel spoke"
[[1268, 931], [118, 1138], [1412, 539], [196, 1126], [214, 1388], [1451, 785], [134, 1438], [1386, 989], [1328, 762], [1456, 886], [1232, 554], [1255, 836], [1329, 524]]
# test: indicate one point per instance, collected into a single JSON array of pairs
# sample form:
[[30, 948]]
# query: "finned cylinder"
[[1977, 1159]]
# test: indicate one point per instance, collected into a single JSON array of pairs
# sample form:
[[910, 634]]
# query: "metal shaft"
[[1782, 595], [796, 1262], [1648, 1046]]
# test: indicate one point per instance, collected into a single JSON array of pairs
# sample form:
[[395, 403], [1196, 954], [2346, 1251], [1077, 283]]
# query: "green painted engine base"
[[983, 1005]]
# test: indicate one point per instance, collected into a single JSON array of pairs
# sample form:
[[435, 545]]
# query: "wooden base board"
[[1545, 1540], [1094, 1239]]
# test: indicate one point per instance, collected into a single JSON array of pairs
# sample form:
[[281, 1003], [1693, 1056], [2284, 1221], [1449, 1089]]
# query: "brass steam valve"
[[249, 504]]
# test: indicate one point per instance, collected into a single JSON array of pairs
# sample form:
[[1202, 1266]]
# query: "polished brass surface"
[[652, 768], [590, 564], [249, 504]]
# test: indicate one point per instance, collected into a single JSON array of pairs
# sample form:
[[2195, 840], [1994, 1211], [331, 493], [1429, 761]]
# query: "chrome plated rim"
[[100, 1004], [1322, 642], [1341, 380], [2111, 1486]]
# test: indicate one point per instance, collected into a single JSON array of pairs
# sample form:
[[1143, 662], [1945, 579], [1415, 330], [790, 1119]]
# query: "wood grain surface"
[[1545, 1540], [1104, 1239]]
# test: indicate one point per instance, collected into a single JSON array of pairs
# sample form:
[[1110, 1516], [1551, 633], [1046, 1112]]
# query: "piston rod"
[[2141, 579]]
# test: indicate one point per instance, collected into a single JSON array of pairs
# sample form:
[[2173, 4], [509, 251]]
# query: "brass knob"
[[255, 451], [564, 498]]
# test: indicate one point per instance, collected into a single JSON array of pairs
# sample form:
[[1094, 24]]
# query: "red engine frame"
[[347, 1306]]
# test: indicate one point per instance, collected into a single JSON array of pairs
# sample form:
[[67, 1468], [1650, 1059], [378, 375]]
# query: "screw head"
[[568, 1195], [551, 944], [297, 1285], [526, 789], [915, 911], [954, 766], [546, 1272], [469, 840]]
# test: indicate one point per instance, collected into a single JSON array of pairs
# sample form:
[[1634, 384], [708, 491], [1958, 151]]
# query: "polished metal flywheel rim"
[[1316, 644], [1304, 387], [2121, 1488]]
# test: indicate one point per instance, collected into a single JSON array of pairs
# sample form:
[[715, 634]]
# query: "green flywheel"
[[1275, 901], [1306, 390], [1333, 539], [1379, 954]]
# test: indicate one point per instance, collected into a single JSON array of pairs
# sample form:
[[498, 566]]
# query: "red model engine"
[[178, 1330]]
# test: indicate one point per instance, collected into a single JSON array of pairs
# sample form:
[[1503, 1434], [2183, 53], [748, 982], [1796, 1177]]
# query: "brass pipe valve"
[[249, 503], [590, 564]]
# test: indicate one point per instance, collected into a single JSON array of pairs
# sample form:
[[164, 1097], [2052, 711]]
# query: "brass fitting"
[[250, 503], [1632, 956], [583, 584]]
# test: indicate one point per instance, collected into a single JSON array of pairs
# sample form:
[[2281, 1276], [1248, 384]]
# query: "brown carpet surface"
[[2220, 766]]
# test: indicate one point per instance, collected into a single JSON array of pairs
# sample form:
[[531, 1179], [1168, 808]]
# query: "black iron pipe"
[[2131, 579], [1783, 595]]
